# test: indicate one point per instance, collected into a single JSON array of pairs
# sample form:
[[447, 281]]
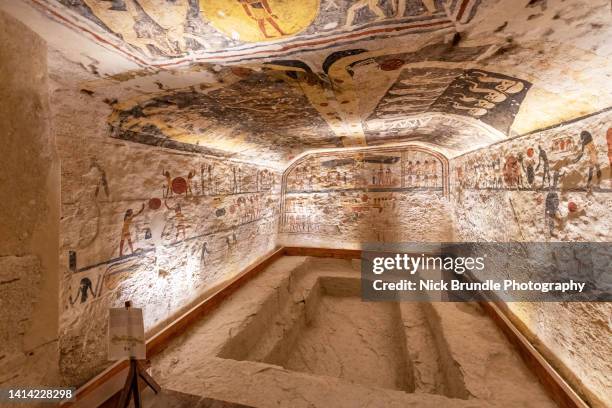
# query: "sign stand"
[[131, 388]]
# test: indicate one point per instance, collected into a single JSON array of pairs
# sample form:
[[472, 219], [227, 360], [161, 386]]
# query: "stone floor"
[[452, 355]]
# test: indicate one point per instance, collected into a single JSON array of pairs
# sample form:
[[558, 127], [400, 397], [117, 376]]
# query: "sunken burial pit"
[[298, 331], [332, 333], [321, 326]]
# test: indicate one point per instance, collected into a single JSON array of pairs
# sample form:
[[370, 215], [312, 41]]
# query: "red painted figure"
[[126, 234], [260, 11]]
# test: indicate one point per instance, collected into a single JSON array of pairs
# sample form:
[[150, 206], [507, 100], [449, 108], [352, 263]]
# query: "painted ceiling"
[[164, 32], [267, 80]]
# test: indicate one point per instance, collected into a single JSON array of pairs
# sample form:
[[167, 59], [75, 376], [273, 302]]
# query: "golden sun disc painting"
[[259, 20]]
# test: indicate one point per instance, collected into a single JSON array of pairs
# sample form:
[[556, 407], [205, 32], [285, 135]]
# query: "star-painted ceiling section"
[[277, 110], [263, 114]]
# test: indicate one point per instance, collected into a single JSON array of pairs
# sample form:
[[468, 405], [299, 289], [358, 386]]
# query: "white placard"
[[126, 337]]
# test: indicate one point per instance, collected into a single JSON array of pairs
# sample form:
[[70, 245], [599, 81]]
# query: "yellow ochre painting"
[[259, 20]]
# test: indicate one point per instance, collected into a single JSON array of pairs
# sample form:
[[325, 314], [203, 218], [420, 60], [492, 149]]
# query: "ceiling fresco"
[[268, 80], [256, 109], [163, 31], [361, 98]]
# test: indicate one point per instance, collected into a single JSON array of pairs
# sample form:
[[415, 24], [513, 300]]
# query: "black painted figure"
[[587, 144], [72, 260], [528, 166], [552, 204], [85, 288], [205, 251], [543, 161]]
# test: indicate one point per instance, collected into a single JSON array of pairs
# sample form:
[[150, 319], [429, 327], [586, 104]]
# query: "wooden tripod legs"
[[131, 388]]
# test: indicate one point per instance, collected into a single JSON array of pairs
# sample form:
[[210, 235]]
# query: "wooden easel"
[[131, 388]]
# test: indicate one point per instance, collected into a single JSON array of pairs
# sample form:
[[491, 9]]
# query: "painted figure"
[[497, 177], [551, 211], [371, 5], [409, 173], [241, 204], [85, 288], [587, 144], [137, 23], [543, 161], [190, 176], [202, 181], [417, 174], [512, 172], [433, 167], [126, 234], [263, 178], [72, 261], [528, 166], [168, 186], [203, 254], [179, 219], [231, 241], [260, 11], [381, 175], [211, 186], [102, 182], [234, 180]]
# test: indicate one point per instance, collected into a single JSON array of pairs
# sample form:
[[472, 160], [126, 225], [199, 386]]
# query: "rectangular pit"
[[326, 329], [299, 330]]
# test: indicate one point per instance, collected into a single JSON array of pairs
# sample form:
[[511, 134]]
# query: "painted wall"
[[29, 212], [147, 224], [341, 200], [552, 185]]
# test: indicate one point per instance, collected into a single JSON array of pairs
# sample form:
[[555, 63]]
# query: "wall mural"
[[563, 173], [192, 225], [359, 196], [160, 30]]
